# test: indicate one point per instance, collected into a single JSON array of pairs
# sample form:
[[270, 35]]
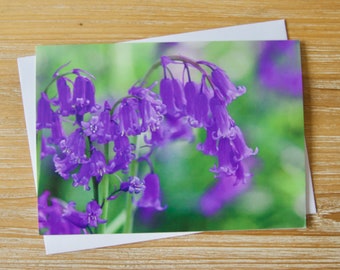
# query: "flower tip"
[[165, 60]]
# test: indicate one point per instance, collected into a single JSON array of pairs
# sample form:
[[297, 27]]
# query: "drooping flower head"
[[64, 97], [59, 217], [151, 197], [83, 95], [103, 140], [44, 113], [150, 106], [93, 128], [128, 117], [133, 185]]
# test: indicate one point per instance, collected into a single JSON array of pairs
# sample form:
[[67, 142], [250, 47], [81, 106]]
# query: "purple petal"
[[77, 218], [221, 118], [223, 192], [84, 95], [239, 144], [44, 113], [190, 90], [64, 97], [46, 149], [201, 110], [167, 94], [209, 146], [179, 96], [227, 164], [151, 196], [94, 212], [279, 69], [128, 117], [83, 176], [98, 167], [57, 132], [224, 85], [135, 185]]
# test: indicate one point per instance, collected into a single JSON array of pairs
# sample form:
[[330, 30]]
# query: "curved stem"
[[104, 190], [179, 58], [95, 194], [56, 78]]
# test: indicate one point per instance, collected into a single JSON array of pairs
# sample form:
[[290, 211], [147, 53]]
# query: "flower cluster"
[[89, 141], [58, 217]]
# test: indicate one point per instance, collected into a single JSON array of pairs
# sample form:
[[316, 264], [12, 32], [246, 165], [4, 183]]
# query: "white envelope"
[[272, 30]]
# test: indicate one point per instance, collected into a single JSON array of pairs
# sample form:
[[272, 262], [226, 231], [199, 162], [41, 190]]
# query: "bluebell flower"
[[77, 218], [227, 164], [43, 209], [221, 117], [209, 146], [191, 89], [123, 154], [93, 212], [151, 197], [83, 176], [94, 128], [64, 165], [200, 111], [46, 149], [128, 117], [240, 147], [224, 85], [221, 193], [57, 132], [51, 219], [151, 108], [59, 217], [106, 133], [166, 92], [279, 69], [171, 129], [134, 185], [44, 113], [90, 218], [179, 96], [83, 95], [74, 147], [64, 97], [98, 165]]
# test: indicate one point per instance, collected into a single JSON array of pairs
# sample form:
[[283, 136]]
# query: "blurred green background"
[[271, 120]]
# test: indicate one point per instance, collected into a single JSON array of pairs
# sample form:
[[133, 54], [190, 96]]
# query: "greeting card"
[[170, 137]]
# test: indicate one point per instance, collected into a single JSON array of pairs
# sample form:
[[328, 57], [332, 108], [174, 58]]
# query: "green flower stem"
[[128, 226], [117, 223], [104, 193], [129, 207], [95, 189], [177, 58], [55, 79], [95, 194]]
